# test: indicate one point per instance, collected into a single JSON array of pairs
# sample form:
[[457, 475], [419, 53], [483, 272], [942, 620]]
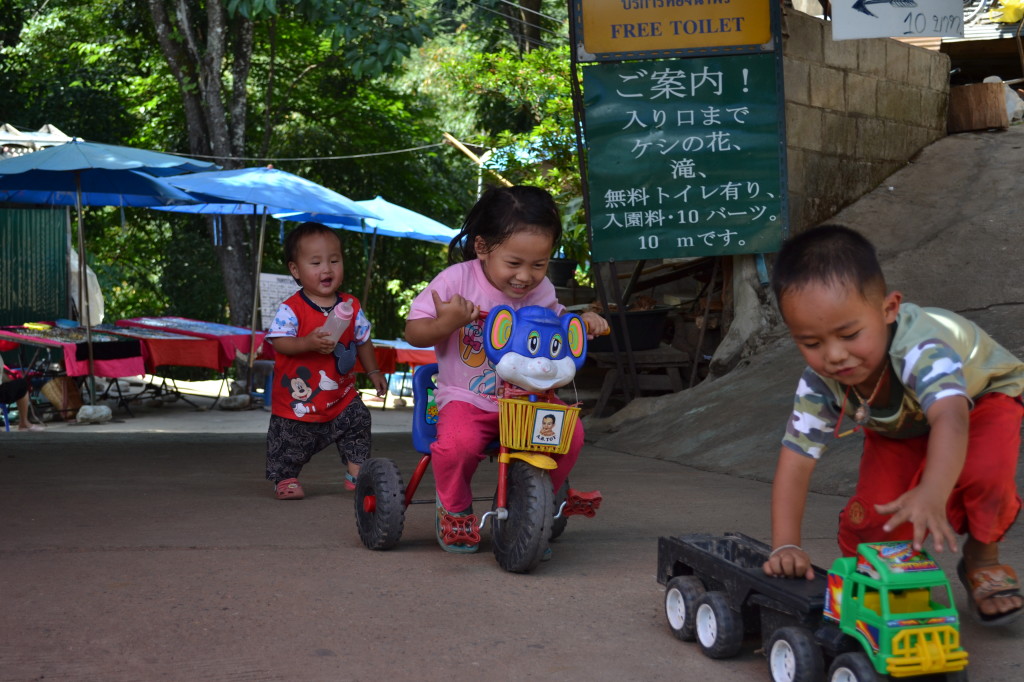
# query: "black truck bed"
[[731, 563]]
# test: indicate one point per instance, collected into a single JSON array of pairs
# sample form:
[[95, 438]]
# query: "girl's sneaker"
[[456, 532]]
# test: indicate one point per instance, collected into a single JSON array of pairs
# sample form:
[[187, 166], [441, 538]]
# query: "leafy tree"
[[209, 47], [524, 107]]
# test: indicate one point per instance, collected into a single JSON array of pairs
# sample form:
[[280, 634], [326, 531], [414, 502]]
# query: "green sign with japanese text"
[[685, 157]]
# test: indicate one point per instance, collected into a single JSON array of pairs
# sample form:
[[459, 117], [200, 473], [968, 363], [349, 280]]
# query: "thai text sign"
[[685, 157], [652, 26]]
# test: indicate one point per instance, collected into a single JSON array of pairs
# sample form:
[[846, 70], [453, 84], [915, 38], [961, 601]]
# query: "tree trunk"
[[755, 318], [524, 22], [214, 128]]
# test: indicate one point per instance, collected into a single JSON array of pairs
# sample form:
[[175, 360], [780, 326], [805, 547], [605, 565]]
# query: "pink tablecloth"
[[113, 356]]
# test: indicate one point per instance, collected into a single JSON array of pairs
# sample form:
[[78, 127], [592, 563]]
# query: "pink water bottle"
[[338, 320]]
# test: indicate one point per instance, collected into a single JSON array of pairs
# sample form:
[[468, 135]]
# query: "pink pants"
[[984, 501], [463, 434]]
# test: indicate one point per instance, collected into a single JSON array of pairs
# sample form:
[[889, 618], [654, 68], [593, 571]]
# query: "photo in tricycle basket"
[[547, 427]]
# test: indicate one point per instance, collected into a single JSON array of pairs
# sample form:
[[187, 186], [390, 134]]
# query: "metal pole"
[[83, 286], [369, 267], [255, 302], [704, 323]]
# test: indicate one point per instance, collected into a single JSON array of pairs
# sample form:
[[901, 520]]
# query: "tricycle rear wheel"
[[520, 540], [379, 503]]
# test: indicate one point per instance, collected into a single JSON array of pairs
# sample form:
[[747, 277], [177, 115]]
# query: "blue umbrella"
[[396, 221], [90, 173], [271, 191], [78, 155], [99, 187]]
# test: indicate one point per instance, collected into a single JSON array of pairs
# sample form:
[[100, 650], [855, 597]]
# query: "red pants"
[[463, 434], [984, 501]]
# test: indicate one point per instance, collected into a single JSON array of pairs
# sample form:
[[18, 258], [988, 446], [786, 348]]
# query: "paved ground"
[[150, 548]]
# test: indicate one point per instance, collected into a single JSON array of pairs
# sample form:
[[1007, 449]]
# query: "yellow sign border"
[[649, 26]]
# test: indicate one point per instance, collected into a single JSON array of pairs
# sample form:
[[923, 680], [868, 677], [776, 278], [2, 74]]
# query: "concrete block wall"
[[856, 111]]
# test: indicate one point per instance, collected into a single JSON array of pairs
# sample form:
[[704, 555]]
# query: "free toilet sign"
[[613, 29]]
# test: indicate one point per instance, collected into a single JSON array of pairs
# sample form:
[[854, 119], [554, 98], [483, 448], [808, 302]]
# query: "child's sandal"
[[988, 582], [289, 489], [456, 532], [350, 482]]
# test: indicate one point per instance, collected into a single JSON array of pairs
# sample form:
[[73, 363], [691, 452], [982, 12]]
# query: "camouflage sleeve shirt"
[[933, 354]]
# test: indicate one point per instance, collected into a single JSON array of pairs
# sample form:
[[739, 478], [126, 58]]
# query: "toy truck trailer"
[[886, 613]]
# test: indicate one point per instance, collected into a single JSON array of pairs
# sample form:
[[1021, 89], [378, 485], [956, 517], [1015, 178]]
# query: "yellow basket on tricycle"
[[537, 426]]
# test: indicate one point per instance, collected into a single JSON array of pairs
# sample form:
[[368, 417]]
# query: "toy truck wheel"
[[520, 540], [681, 596], [380, 504], [794, 656], [852, 666], [719, 628], [561, 522]]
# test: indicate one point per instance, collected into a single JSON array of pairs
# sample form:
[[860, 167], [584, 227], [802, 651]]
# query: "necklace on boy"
[[327, 311], [862, 415]]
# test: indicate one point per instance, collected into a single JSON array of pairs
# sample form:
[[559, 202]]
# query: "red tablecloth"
[[389, 354], [405, 353], [229, 337], [113, 356], [163, 348]]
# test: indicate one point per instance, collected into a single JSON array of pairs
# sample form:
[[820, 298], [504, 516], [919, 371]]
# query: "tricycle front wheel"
[[520, 540]]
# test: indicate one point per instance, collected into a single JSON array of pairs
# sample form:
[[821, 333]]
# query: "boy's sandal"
[[456, 532], [289, 489], [987, 582], [350, 481]]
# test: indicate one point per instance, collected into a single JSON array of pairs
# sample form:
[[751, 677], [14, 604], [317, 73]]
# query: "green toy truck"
[[885, 614]]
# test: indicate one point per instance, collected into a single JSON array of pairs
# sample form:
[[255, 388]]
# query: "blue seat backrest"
[[424, 419]]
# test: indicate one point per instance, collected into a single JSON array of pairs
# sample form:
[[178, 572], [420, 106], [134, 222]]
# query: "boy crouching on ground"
[[940, 403]]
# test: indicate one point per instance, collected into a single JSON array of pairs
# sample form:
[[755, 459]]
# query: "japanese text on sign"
[[684, 157]]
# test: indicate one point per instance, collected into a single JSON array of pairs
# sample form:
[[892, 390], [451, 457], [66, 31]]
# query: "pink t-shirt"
[[463, 371]]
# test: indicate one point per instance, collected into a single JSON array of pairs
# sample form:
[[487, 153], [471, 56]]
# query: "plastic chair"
[[265, 367], [424, 419], [425, 411]]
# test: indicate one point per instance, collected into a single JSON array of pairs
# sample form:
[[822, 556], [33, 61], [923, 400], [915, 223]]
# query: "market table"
[[405, 353], [231, 339], [161, 348], [113, 356]]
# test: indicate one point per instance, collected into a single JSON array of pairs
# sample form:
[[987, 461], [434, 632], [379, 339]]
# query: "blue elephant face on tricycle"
[[534, 348]]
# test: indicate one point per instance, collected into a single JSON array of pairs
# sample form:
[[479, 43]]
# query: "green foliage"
[[373, 36], [525, 107], [329, 79], [67, 67]]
